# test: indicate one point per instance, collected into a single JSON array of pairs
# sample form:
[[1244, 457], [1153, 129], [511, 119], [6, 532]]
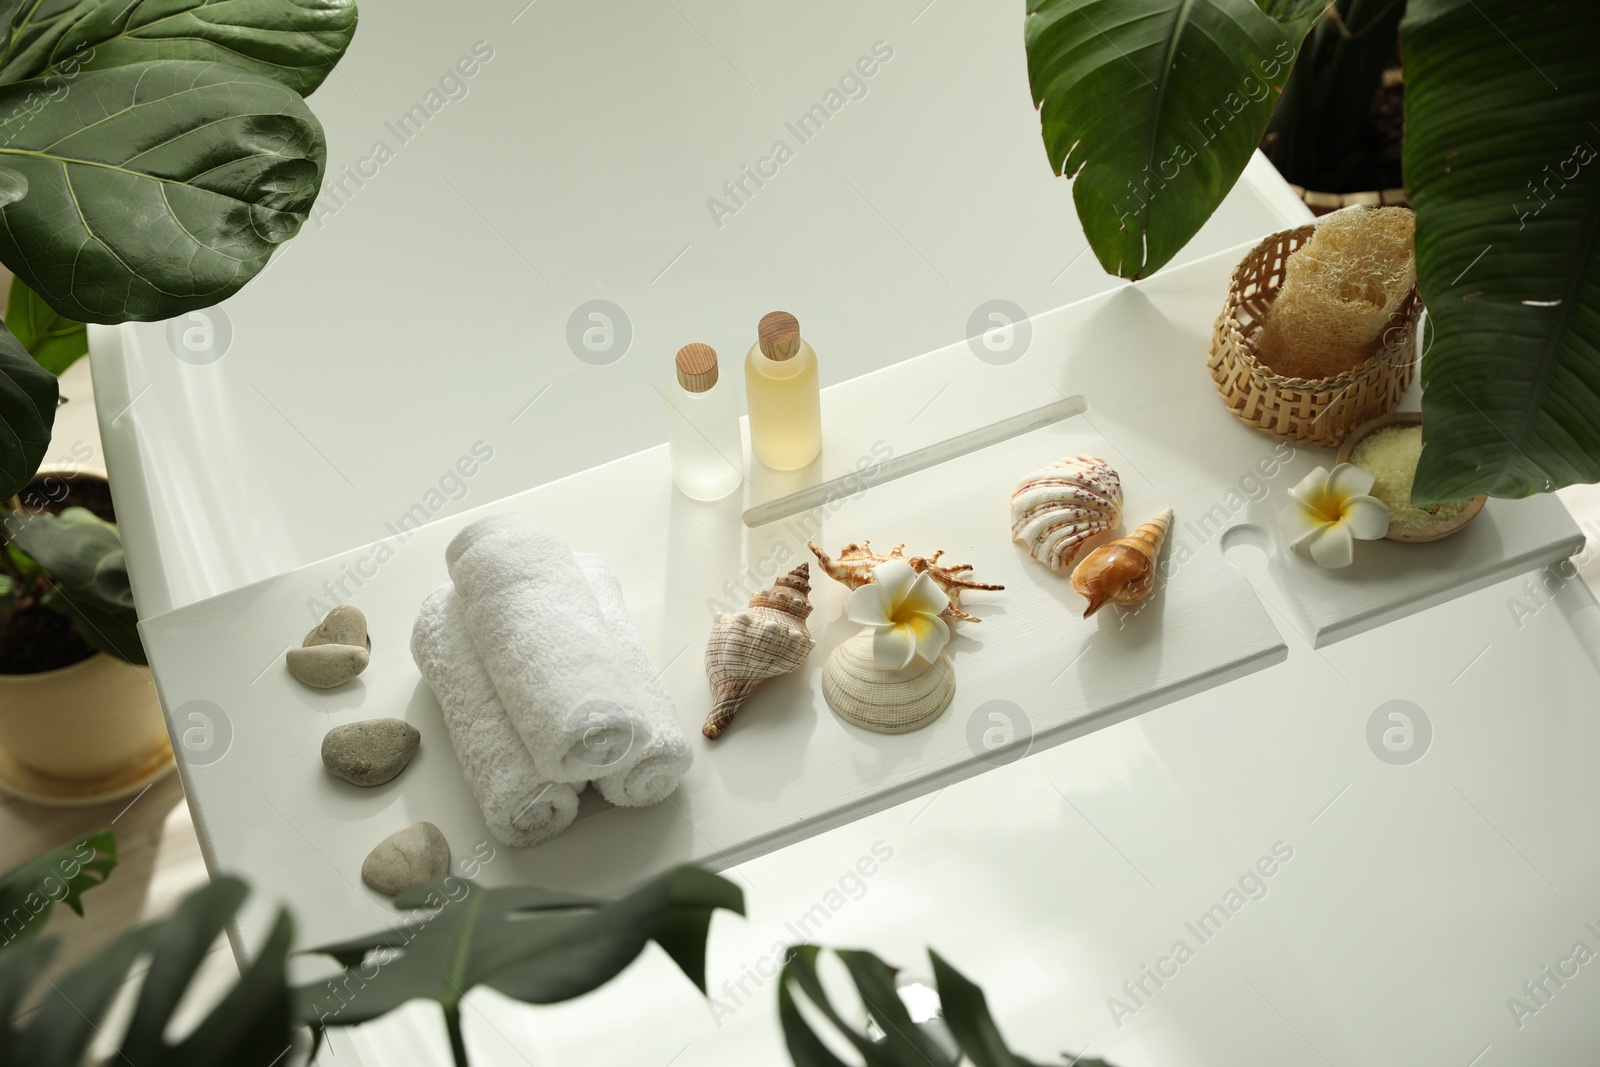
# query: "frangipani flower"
[[1332, 511], [902, 607]]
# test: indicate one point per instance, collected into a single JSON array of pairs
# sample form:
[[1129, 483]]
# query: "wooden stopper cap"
[[697, 367], [779, 334]]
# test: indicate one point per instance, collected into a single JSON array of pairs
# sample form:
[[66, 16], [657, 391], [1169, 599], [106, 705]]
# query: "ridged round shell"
[[888, 702], [1056, 512]]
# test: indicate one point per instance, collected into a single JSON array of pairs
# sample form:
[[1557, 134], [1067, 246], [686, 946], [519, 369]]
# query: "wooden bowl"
[[1412, 534]]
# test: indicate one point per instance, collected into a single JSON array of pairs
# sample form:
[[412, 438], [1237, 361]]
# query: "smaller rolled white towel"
[[661, 753], [542, 639], [520, 807]]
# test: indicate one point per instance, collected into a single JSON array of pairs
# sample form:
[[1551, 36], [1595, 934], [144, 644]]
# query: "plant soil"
[[34, 638]]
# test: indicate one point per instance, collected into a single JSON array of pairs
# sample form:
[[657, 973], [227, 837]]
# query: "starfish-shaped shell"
[[854, 567]]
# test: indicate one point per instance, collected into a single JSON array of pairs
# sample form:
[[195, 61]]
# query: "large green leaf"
[[28, 396], [1153, 107], [295, 42], [249, 1028], [55, 341], [252, 1023], [60, 876], [159, 189], [89, 577], [900, 1041], [1501, 163], [536, 946]]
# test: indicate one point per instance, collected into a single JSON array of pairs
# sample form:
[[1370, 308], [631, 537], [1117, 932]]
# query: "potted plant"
[[152, 158], [1337, 133], [79, 718], [1154, 114]]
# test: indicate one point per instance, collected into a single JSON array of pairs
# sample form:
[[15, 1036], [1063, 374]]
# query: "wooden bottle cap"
[[697, 367], [779, 334]]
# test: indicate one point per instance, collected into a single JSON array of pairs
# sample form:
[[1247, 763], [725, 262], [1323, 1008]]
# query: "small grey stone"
[[325, 666], [370, 752], [406, 858], [344, 625]]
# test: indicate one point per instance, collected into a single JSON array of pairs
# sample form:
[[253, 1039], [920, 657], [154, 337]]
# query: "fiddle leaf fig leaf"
[[82, 556], [28, 396], [162, 188], [535, 946], [293, 42], [56, 342]]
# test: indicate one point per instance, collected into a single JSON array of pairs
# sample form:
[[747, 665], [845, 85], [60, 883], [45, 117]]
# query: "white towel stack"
[[544, 682]]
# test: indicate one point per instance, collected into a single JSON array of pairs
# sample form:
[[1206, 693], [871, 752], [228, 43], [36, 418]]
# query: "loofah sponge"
[[1339, 291]]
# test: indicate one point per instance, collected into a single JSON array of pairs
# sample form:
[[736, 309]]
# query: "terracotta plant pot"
[[83, 733]]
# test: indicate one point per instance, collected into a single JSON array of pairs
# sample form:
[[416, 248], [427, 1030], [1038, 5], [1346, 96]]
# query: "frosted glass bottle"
[[703, 427], [784, 396]]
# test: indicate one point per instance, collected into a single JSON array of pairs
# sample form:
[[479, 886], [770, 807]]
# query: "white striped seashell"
[[764, 640], [1058, 511], [885, 701]]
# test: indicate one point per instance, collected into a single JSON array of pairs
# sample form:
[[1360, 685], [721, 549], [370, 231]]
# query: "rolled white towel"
[[519, 806], [540, 634], [661, 754]]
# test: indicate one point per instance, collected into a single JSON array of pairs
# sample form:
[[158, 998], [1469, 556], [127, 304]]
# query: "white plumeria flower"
[[1332, 511], [902, 607]]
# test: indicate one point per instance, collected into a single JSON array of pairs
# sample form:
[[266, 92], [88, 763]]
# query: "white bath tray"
[[926, 452]]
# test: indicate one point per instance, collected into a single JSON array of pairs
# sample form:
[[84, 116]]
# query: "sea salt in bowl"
[[1389, 459]]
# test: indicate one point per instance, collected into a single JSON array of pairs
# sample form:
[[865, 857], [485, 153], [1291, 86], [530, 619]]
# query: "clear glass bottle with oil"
[[703, 427], [784, 395]]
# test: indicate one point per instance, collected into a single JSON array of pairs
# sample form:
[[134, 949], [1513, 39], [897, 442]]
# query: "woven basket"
[[1318, 411]]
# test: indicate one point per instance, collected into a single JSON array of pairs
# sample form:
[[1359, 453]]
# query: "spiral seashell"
[[766, 638], [1123, 571], [853, 569], [1057, 511], [885, 701]]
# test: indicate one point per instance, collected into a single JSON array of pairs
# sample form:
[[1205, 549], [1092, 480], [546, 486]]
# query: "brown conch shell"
[[854, 566], [1123, 571], [763, 640]]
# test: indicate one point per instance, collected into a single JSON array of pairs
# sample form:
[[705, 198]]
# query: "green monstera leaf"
[[61, 876], [1502, 160], [529, 944], [963, 1033], [1153, 108], [250, 1027]]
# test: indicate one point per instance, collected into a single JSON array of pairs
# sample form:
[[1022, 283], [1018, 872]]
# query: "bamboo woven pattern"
[[1318, 411]]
